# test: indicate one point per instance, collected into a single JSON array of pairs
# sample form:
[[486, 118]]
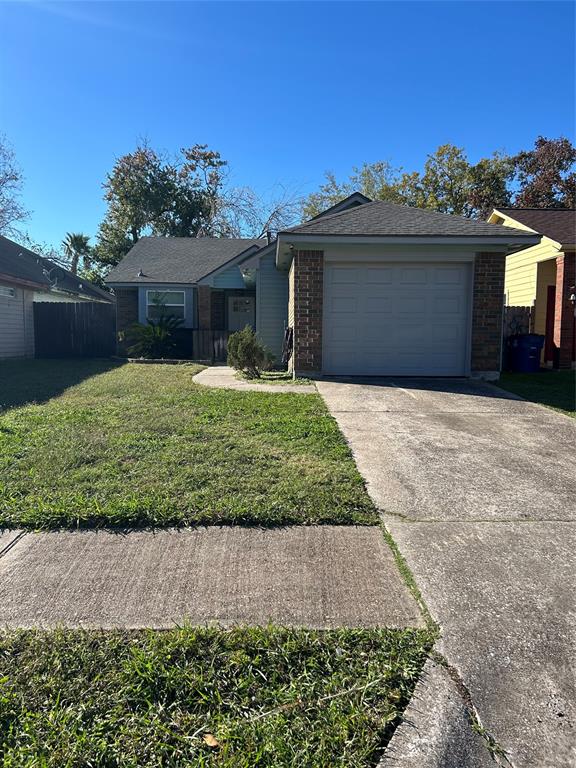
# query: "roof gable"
[[352, 201]]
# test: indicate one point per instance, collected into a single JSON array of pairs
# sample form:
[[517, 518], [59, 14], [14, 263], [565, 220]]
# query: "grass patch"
[[142, 445], [259, 696], [275, 377], [556, 389]]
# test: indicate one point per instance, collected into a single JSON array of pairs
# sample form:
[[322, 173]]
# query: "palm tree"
[[76, 246]]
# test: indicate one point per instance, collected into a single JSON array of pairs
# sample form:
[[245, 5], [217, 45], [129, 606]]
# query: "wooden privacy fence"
[[78, 329], [518, 320], [210, 345]]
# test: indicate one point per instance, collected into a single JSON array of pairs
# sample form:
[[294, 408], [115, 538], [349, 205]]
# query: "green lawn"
[[90, 443], [205, 697], [556, 389]]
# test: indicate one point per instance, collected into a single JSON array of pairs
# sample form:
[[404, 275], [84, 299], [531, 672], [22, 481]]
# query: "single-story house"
[[543, 277], [367, 288], [26, 278]]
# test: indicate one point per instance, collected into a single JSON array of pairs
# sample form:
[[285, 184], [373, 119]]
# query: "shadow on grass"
[[35, 381], [556, 389]]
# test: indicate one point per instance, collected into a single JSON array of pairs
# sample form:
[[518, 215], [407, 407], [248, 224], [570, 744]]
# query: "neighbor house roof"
[[28, 268], [22, 265], [179, 259], [382, 219], [556, 223]]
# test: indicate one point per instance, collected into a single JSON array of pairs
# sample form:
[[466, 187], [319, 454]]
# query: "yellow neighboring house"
[[543, 277]]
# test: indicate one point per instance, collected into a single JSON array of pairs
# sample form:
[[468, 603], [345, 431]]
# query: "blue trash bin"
[[525, 351]]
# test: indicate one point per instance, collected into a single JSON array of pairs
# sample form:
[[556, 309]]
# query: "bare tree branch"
[[11, 209]]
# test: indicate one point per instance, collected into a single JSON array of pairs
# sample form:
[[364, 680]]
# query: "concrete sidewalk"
[[479, 492], [224, 377], [320, 577]]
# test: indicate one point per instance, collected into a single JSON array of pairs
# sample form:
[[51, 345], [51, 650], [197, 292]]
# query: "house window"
[[242, 305], [6, 291], [171, 302]]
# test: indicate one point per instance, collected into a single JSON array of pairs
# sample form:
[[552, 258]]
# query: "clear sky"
[[283, 90]]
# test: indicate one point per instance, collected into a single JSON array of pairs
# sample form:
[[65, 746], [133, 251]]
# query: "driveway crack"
[[12, 543], [496, 750]]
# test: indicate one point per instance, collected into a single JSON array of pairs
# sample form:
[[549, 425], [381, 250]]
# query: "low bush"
[[247, 354]]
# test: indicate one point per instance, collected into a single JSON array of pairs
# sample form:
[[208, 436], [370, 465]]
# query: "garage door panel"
[[396, 319], [452, 304], [413, 276], [345, 275], [344, 304], [379, 275], [448, 276]]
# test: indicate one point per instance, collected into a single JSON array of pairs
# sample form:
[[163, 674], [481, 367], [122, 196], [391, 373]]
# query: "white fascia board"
[[467, 244]]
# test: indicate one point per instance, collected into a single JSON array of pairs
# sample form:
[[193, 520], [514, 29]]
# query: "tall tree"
[[76, 247], [148, 193], [546, 175], [448, 183], [12, 212]]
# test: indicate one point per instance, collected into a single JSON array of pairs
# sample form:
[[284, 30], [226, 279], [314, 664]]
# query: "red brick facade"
[[204, 306], [126, 307], [487, 311], [308, 301], [564, 309]]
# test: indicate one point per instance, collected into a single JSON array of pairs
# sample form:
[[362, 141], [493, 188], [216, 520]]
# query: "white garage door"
[[405, 319]]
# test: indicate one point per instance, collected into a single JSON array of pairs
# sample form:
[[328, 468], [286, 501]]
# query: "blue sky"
[[284, 90]]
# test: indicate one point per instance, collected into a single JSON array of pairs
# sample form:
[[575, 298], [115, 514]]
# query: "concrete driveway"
[[479, 492]]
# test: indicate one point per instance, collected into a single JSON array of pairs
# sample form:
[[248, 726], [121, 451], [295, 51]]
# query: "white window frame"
[[166, 304], [7, 292]]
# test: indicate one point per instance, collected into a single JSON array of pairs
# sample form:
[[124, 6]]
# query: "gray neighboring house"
[[367, 288], [26, 278]]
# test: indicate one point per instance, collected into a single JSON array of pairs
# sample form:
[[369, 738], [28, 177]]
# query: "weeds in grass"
[[239, 698]]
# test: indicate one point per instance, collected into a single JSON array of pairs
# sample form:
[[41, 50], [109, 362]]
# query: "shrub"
[[246, 353], [156, 339]]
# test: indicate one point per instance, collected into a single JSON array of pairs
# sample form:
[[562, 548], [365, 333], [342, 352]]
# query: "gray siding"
[[271, 304], [228, 278], [17, 324]]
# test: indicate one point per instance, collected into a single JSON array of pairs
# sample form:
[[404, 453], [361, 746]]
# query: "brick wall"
[[204, 306], [487, 310], [308, 274], [218, 311], [126, 307], [564, 309]]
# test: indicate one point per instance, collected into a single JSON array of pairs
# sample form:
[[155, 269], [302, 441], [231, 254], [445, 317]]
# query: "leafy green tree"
[[76, 247], [448, 183], [147, 193], [546, 175]]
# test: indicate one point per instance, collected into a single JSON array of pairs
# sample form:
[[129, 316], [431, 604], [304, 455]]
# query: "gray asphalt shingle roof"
[[381, 219], [178, 259], [22, 264], [556, 223]]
